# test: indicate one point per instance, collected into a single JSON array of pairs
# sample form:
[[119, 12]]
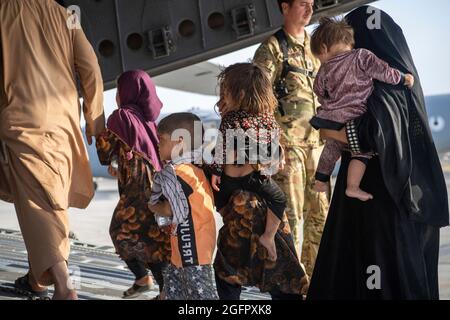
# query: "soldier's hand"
[[409, 80], [215, 182]]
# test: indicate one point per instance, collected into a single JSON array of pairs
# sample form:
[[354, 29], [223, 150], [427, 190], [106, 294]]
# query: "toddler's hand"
[[269, 243], [409, 80], [320, 186], [215, 182], [112, 171]]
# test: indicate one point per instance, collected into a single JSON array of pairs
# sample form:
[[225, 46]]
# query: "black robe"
[[397, 231]]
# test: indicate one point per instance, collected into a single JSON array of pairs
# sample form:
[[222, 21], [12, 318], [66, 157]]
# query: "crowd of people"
[[347, 91]]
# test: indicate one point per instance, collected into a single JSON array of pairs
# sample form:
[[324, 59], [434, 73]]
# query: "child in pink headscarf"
[[131, 142]]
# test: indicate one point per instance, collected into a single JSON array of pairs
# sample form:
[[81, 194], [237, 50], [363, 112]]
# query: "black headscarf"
[[396, 124]]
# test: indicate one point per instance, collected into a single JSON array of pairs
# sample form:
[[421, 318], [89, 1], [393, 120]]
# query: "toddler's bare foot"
[[355, 192], [269, 243]]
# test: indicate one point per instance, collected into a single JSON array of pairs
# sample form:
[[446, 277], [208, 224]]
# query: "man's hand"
[[89, 134], [215, 182], [409, 80]]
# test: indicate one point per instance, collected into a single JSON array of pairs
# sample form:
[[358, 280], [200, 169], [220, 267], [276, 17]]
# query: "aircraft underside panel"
[[164, 35]]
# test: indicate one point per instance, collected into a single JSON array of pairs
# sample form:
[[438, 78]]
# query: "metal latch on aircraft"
[[325, 4], [161, 42], [244, 20]]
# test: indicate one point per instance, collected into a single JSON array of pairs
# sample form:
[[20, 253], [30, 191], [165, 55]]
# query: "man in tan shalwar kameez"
[[44, 167]]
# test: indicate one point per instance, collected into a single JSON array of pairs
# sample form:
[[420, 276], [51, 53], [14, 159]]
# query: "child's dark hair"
[[182, 120], [249, 86], [329, 32]]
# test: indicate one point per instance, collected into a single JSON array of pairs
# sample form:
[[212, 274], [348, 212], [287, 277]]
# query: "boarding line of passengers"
[[164, 220]]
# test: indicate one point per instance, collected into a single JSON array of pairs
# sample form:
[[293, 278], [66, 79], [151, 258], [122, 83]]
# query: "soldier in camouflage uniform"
[[301, 142]]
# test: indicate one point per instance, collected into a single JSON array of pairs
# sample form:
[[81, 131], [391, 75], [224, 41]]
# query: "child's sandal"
[[135, 291]]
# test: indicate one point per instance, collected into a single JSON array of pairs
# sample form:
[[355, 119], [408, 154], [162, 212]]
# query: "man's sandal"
[[23, 287]]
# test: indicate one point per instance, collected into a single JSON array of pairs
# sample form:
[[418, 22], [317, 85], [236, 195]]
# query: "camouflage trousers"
[[297, 180]]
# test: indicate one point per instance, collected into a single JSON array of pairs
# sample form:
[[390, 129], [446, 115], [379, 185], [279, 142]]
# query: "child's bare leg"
[[356, 171], [267, 239]]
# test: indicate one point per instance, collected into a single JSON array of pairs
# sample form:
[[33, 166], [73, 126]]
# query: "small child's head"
[[179, 133], [330, 35], [246, 86]]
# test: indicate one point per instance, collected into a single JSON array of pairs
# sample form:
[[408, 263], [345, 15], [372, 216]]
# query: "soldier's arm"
[[265, 57], [88, 70]]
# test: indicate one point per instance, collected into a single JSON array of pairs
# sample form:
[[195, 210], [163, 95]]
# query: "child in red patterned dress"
[[247, 104]]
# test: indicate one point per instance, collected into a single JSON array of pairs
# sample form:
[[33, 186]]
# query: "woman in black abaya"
[[386, 248]]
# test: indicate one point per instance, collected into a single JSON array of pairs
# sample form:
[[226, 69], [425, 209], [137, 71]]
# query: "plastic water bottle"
[[115, 162], [163, 221]]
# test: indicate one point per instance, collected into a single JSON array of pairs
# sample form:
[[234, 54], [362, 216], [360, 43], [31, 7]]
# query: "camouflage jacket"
[[300, 104]]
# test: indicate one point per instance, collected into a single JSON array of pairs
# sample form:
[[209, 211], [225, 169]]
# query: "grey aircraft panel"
[[160, 36]]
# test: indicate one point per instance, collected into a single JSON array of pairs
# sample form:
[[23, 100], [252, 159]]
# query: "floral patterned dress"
[[133, 228], [242, 260]]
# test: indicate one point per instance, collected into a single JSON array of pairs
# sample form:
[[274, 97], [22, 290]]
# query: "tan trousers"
[[45, 230], [296, 180]]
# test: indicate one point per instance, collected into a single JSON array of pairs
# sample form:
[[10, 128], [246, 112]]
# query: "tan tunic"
[[39, 104]]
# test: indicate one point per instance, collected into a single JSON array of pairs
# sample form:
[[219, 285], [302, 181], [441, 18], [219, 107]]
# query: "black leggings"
[[227, 291], [139, 270], [265, 187]]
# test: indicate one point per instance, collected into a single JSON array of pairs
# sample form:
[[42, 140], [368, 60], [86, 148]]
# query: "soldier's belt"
[[292, 105]]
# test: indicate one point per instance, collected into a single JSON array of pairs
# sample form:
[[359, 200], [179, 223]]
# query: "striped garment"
[[166, 184]]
